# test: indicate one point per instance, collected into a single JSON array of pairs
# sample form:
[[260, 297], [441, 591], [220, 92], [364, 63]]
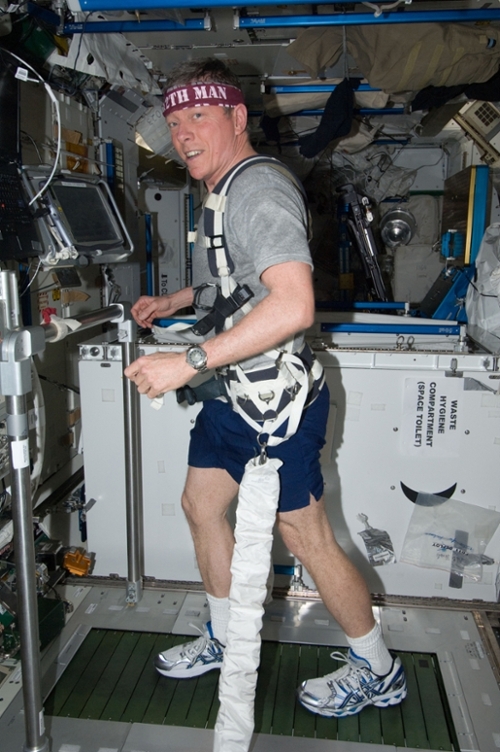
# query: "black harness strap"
[[222, 309]]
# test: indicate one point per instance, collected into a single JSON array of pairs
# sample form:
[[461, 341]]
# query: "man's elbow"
[[306, 315]]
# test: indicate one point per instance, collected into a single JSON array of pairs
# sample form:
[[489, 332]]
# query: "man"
[[265, 231]]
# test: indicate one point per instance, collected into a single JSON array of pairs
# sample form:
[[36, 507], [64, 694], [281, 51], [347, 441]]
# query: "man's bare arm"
[[288, 309], [148, 307]]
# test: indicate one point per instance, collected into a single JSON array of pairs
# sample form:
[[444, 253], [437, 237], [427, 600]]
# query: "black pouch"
[[210, 389]]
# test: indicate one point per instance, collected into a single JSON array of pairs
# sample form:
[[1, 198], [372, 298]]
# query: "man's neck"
[[245, 152]]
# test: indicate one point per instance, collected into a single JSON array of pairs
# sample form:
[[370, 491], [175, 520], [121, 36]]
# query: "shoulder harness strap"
[[232, 296], [215, 205]]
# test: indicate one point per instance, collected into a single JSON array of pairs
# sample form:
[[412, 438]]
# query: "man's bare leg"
[[207, 495], [308, 535]]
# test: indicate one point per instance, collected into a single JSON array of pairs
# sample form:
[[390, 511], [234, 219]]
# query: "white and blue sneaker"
[[352, 687], [192, 658]]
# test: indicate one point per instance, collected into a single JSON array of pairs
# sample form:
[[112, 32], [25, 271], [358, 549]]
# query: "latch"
[[453, 373]]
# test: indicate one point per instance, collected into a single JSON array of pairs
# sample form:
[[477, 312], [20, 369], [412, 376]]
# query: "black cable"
[[53, 286], [60, 385], [58, 596], [81, 38], [482, 294]]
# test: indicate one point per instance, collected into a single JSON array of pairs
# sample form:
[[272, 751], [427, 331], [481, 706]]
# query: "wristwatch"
[[197, 358]]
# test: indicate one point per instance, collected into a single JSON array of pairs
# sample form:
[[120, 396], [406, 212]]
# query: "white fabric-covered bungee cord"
[[250, 566]]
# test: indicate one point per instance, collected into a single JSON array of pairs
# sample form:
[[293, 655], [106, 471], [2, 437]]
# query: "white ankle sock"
[[372, 647], [219, 616]]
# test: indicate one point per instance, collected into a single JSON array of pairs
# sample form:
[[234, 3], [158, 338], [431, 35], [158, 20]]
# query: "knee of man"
[[197, 511], [292, 538], [305, 535], [189, 507]]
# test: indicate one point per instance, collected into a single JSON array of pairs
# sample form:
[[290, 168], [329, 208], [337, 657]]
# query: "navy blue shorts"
[[222, 439]]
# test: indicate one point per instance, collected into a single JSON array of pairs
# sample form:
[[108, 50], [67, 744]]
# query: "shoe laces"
[[350, 675], [194, 648]]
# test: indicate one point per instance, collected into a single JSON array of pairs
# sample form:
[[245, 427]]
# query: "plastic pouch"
[[450, 535], [482, 303], [378, 544]]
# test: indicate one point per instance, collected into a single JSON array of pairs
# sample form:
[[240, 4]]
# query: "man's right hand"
[[148, 307]]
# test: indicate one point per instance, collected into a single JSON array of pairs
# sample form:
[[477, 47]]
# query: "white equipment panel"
[[174, 262], [404, 425], [168, 551], [407, 425]]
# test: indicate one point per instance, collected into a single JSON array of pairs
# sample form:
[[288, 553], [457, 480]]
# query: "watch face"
[[197, 357]]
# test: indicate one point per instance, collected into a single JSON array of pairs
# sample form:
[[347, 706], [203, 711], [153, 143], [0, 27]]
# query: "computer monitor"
[[85, 215]]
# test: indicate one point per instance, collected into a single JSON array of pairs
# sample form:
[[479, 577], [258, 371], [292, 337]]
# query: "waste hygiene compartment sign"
[[432, 417]]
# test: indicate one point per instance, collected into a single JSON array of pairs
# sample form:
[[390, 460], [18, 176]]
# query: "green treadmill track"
[[112, 678]]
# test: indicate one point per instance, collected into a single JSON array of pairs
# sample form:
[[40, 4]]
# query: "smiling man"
[[258, 350], [208, 128]]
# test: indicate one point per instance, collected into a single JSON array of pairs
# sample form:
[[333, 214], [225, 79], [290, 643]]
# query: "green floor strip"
[[268, 680], [112, 677], [303, 724], [412, 712]]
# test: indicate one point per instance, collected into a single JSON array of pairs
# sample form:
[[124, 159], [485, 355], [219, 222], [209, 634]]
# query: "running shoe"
[[352, 687], [192, 658]]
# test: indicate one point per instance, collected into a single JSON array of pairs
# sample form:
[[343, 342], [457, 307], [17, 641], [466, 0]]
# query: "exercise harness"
[[265, 397]]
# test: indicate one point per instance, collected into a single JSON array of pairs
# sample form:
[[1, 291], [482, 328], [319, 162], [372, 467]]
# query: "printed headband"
[[201, 95]]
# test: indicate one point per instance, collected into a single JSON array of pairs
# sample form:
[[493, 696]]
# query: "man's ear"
[[240, 115]]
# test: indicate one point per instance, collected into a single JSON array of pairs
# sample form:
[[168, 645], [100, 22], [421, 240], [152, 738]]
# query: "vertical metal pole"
[[150, 287], [22, 515], [110, 166], [15, 379], [133, 479]]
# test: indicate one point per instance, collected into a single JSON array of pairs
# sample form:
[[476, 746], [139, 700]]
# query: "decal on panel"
[[432, 416]]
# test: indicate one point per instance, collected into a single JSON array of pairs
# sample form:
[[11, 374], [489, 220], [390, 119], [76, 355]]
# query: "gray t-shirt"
[[265, 223]]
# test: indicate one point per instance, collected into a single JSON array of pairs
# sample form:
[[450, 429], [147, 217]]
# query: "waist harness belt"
[[264, 397]]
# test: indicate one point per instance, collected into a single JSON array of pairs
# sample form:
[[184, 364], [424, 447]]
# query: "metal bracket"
[[453, 373], [134, 592], [15, 352]]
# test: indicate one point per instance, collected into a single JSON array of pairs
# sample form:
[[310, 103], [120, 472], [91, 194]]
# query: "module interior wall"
[[372, 453], [368, 454]]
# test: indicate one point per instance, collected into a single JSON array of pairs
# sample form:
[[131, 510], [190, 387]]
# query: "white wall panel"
[[371, 450]]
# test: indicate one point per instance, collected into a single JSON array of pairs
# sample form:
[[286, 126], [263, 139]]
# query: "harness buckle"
[[215, 241], [266, 397], [263, 451], [294, 390], [241, 295], [198, 292]]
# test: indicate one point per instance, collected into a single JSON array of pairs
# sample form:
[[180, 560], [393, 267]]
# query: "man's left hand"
[[159, 372]]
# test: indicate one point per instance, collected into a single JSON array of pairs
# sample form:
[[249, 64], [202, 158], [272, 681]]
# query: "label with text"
[[432, 415]]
